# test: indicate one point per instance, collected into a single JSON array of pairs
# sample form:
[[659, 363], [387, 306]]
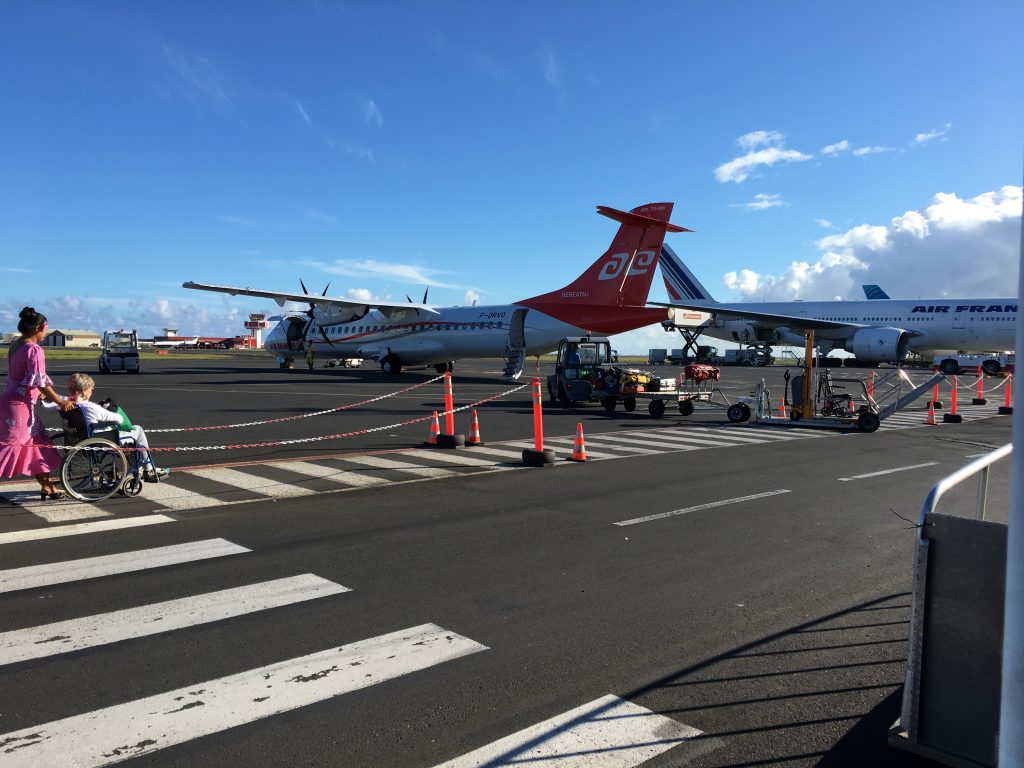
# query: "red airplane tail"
[[610, 296]]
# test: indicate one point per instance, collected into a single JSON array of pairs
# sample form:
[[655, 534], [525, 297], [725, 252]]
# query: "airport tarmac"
[[698, 593]]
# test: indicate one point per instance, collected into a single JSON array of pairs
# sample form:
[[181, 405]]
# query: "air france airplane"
[[608, 298], [874, 330]]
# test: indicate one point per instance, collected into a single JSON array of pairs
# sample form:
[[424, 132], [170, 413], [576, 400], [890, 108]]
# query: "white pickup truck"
[[991, 364]]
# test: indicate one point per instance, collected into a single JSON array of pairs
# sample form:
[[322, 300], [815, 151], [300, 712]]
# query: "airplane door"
[[516, 332], [959, 318], [294, 333]]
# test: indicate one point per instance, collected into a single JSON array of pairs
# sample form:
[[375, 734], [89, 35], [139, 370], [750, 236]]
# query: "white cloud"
[[552, 69], [762, 201], [861, 151], [823, 223], [373, 115], [359, 294], [951, 247], [754, 139], [938, 133], [199, 81], [359, 151], [303, 113], [740, 169], [835, 149]]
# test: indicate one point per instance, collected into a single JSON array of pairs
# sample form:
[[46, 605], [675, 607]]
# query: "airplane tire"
[[390, 365]]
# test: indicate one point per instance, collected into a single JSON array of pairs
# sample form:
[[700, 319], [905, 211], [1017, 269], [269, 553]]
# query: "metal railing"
[[982, 465]]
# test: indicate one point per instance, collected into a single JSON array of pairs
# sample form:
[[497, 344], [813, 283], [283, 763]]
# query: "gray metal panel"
[[961, 655]]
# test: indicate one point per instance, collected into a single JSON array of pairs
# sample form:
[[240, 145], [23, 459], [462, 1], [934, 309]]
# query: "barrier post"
[[449, 439], [538, 456], [952, 417], [935, 403], [980, 398], [1006, 409]]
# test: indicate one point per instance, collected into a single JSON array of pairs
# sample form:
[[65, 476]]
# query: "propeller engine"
[[311, 314]]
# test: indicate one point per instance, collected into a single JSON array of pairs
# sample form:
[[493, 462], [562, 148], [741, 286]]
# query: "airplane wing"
[[795, 322], [385, 308]]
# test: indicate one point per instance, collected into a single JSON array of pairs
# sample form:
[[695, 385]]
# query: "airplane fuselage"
[[451, 334], [983, 325]]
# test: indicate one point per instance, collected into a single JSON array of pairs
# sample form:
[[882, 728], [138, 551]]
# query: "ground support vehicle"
[[98, 463], [120, 352], [991, 365], [344, 362]]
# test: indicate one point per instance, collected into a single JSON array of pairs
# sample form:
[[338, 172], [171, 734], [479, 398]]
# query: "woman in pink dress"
[[24, 447]]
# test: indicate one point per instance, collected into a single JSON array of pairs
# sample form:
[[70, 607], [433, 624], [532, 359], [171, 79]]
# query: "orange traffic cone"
[[474, 431], [931, 414], [782, 407], [579, 450], [435, 430]]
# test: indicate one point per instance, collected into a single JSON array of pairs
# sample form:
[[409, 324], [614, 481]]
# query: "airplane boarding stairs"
[[515, 347]]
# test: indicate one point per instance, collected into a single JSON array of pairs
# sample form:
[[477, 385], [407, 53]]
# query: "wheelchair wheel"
[[94, 470], [132, 486]]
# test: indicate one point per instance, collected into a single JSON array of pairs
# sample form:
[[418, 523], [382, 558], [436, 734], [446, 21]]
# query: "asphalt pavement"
[[697, 593]]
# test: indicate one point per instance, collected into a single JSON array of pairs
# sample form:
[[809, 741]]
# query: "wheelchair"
[[99, 462]]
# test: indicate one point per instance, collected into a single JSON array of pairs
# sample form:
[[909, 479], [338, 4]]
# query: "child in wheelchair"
[[80, 387]]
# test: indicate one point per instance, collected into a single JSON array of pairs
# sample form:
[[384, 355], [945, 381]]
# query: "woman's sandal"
[[55, 495]]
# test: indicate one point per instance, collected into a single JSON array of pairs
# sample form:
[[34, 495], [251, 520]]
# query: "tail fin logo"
[[617, 262]]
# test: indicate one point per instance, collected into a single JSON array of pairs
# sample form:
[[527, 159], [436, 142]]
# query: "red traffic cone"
[[782, 407], [435, 430], [931, 414], [579, 450], [474, 431]]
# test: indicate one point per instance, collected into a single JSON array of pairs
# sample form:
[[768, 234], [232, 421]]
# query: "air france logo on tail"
[[679, 281]]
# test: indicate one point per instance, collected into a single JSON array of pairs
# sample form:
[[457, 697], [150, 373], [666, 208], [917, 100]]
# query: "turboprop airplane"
[[874, 330], [609, 297]]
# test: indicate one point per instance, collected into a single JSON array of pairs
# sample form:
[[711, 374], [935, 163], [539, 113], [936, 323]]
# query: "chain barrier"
[[296, 441]]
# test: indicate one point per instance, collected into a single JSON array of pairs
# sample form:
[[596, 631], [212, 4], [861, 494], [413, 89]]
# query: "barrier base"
[[978, 401], [451, 441], [952, 418], [542, 458], [1005, 410]]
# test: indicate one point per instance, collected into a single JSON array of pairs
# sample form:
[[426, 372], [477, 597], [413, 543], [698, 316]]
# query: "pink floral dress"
[[24, 447]]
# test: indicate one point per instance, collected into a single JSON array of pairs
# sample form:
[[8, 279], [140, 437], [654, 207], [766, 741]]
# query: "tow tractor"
[[120, 352], [585, 372]]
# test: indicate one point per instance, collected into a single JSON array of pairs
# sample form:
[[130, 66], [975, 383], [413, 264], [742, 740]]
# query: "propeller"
[[424, 296], [311, 314]]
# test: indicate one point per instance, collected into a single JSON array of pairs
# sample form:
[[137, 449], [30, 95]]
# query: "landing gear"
[[448, 367], [390, 365]]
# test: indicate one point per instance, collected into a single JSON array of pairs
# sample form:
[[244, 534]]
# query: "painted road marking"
[[248, 482], [380, 462], [461, 459], [606, 733], [887, 471], [27, 495], [105, 628], [699, 507], [79, 528], [333, 474], [168, 495], [143, 726], [49, 574]]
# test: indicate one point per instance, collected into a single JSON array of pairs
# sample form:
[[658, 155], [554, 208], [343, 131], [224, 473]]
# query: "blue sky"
[[390, 146]]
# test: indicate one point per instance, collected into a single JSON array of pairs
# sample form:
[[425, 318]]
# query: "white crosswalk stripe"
[[606, 733], [48, 574], [143, 726], [362, 471], [67, 636]]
